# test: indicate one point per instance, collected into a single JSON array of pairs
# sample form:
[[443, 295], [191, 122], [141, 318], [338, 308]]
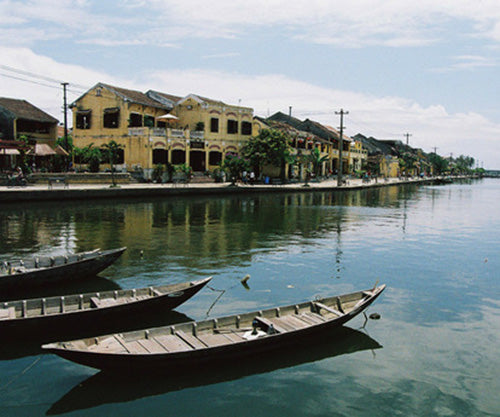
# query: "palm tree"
[[316, 160], [111, 150]]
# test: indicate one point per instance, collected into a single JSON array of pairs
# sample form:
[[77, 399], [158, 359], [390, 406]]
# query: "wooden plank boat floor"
[[234, 336], [311, 318], [211, 339], [194, 342], [172, 343], [294, 322], [110, 344], [152, 345]]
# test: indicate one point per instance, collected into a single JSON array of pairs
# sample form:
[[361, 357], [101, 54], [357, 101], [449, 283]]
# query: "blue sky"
[[428, 69]]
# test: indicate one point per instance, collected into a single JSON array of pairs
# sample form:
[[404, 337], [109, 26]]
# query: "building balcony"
[[197, 134]]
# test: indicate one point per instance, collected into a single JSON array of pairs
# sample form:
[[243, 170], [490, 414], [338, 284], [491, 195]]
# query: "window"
[[232, 126], [214, 124], [178, 157], [163, 125], [214, 158], [135, 120], [160, 156], [246, 128], [83, 119], [149, 121], [118, 159], [111, 118]]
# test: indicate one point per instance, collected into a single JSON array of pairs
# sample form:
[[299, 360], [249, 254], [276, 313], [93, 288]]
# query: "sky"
[[427, 68]]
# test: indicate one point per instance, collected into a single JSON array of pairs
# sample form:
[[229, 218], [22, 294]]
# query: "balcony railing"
[[197, 134], [176, 133]]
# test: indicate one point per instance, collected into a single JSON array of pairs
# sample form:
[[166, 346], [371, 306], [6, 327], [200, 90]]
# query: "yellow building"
[[156, 128], [357, 156], [389, 166]]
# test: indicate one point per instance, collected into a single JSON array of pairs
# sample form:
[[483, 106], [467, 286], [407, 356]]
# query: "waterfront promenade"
[[41, 192]]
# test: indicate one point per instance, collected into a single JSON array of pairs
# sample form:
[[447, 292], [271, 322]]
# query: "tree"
[[439, 164], [407, 162], [316, 160], [111, 150], [271, 147], [234, 165]]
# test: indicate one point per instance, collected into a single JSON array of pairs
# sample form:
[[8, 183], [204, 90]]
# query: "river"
[[435, 351]]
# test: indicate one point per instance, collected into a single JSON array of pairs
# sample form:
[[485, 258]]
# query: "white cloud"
[[349, 24], [467, 63], [383, 117]]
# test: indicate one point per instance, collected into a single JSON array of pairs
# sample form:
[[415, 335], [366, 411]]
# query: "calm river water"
[[434, 352]]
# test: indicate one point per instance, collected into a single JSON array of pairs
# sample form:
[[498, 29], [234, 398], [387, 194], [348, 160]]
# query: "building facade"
[[157, 128]]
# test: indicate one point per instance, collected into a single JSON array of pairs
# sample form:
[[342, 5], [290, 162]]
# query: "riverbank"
[[67, 192]]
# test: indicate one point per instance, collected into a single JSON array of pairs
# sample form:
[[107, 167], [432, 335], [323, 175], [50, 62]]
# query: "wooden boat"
[[223, 339], [110, 388], [55, 315], [46, 270]]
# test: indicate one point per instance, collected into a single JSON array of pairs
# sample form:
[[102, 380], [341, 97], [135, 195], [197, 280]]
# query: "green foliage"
[[271, 147], [439, 164], [407, 162], [111, 149], [94, 159], [66, 144], [234, 165], [157, 175], [185, 169], [316, 160], [463, 164]]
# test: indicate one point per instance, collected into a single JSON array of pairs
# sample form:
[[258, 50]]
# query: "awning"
[[42, 149], [61, 151], [6, 151], [168, 117]]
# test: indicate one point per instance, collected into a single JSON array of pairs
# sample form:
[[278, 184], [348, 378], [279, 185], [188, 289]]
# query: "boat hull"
[[54, 326], [71, 271]]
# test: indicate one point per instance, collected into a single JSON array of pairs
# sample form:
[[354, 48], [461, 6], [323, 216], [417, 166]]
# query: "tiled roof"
[[169, 97], [134, 96], [21, 109]]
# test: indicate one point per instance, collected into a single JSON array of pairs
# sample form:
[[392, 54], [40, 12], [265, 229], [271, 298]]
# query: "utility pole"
[[407, 138], [435, 150], [341, 145], [65, 117]]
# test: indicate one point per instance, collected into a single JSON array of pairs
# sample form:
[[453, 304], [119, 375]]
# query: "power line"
[[40, 83], [41, 77]]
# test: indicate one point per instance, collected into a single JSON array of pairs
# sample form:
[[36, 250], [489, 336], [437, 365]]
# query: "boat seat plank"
[[329, 309], [268, 322], [8, 313], [211, 339], [95, 302], [105, 302], [173, 343], [152, 346], [194, 342]]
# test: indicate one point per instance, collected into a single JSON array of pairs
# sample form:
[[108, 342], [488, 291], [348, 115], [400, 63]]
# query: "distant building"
[[21, 118]]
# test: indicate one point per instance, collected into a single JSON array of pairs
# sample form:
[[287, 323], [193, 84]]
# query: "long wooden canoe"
[[222, 339], [109, 388], [47, 270], [54, 315]]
